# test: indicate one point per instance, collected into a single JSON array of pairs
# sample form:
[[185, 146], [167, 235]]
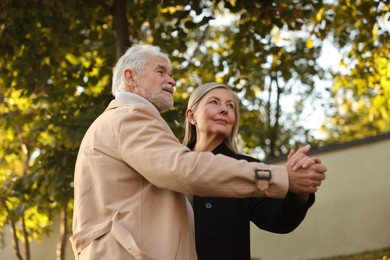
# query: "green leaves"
[[52, 85], [361, 85], [57, 59]]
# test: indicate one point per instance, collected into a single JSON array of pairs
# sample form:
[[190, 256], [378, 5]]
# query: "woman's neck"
[[207, 144]]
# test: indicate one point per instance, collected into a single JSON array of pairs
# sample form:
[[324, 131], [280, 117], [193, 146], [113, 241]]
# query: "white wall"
[[351, 213]]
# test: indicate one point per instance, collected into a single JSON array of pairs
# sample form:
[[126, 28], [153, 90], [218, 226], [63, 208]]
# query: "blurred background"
[[313, 72]]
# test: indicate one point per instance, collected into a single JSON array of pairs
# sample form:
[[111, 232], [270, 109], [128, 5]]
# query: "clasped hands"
[[305, 173]]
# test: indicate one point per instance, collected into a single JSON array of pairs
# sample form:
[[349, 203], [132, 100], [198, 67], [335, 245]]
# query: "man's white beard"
[[159, 99]]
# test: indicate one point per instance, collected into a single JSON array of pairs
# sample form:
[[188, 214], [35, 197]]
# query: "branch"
[[278, 110], [271, 127], [26, 240], [24, 229], [199, 43], [107, 7], [15, 243]]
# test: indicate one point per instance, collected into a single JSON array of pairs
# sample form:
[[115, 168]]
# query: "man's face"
[[156, 83]]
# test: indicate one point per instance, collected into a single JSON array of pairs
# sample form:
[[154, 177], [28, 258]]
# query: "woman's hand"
[[299, 159]]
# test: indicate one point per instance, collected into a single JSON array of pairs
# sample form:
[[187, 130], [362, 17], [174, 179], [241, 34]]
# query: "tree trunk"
[[15, 243], [120, 24], [274, 126], [277, 114], [269, 119], [61, 245], [26, 240]]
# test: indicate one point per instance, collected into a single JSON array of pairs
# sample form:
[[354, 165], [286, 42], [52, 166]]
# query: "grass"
[[380, 254]]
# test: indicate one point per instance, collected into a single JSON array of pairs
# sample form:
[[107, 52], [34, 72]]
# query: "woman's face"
[[214, 117]]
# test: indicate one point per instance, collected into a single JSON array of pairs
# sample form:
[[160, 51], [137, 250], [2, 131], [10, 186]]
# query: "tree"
[[55, 76], [361, 91], [53, 80], [56, 65], [265, 54]]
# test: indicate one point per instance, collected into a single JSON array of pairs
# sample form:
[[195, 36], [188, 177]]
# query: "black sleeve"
[[276, 215], [279, 215]]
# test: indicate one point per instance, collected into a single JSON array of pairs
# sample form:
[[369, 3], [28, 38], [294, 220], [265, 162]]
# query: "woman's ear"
[[190, 116]]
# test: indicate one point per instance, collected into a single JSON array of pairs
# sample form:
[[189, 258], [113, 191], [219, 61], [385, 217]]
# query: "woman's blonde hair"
[[195, 98]]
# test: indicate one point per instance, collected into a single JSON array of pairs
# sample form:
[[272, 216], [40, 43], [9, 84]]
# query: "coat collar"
[[220, 149], [127, 98], [131, 98], [223, 149]]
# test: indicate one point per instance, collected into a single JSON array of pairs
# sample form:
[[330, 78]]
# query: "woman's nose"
[[223, 109]]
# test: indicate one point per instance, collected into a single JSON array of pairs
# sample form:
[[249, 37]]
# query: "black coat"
[[222, 224]]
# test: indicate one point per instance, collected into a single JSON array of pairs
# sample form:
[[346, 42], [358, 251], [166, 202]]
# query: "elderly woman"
[[222, 224]]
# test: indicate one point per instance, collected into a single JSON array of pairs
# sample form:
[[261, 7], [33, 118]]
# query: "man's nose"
[[171, 81]]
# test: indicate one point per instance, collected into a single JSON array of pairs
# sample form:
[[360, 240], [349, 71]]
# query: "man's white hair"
[[134, 59]]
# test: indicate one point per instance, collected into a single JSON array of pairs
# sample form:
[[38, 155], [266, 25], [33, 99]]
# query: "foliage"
[[361, 90], [53, 82], [264, 57]]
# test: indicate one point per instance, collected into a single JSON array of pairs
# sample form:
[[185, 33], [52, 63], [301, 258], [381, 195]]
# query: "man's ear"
[[190, 116], [129, 78]]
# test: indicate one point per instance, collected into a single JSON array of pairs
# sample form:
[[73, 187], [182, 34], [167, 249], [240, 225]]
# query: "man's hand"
[[305, 173], [306, 180]]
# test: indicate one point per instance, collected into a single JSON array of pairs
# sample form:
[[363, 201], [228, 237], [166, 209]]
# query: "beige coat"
[[130, 177]]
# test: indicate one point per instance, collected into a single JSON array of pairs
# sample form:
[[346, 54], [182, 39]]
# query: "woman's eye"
[[213, 102], [230, 106]]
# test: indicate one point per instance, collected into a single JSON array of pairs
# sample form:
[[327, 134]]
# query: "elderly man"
[[132, 173]]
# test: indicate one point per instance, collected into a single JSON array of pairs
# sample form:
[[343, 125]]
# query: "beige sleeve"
[[148, 145]]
